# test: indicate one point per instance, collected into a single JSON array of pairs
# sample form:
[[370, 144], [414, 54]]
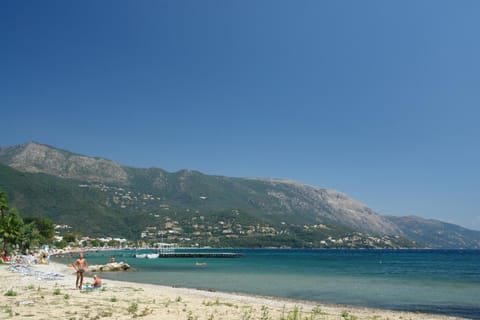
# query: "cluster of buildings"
[[192, 228], [199, 228]]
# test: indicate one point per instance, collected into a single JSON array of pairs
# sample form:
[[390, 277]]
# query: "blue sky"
[[377, 99]]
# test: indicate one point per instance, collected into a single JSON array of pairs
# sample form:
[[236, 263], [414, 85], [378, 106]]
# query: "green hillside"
[[179, 211], [98, 197], [62, 201]]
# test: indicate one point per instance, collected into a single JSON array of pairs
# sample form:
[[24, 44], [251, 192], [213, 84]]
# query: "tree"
[[61, 244], [27, 233], [11, 227], [44, 226], [96, 243], [69, 237], [114, 243], [3, 203], [31, 237]]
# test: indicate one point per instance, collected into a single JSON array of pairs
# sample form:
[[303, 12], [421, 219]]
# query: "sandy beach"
[[36, 297]]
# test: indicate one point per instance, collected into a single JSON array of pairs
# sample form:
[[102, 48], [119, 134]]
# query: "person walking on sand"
[[81, 266]]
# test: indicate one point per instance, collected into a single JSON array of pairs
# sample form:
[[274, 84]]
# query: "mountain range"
[[96, 196]]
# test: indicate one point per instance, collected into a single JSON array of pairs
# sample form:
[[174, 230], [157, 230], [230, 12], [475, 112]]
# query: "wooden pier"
[[200, 255]]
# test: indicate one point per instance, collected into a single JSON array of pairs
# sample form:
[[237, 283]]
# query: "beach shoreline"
[[38, 298]]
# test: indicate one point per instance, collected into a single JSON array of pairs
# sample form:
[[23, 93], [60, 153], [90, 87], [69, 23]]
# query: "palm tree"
[[11, 227], [3, 203]]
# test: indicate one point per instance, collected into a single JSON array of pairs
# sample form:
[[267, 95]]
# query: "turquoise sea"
[[435, 281]]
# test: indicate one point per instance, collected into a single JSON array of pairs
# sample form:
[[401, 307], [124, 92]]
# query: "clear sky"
[[377, 99]]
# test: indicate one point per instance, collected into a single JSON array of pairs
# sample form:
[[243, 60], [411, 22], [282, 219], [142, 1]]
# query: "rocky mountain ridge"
[[272, 200], [288, 197], [34, 158]]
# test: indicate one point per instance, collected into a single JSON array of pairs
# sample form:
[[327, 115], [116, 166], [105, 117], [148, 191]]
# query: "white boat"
[[147, 255]]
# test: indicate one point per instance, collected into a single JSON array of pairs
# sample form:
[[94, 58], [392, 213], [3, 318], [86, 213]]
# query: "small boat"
[[147, 255]]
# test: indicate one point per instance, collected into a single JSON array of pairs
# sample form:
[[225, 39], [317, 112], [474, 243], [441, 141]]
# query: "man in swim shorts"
[[81, 266]]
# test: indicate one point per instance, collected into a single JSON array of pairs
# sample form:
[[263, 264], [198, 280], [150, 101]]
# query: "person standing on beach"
[[81, 266]]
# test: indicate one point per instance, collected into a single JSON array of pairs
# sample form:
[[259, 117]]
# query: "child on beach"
[[97, 282]]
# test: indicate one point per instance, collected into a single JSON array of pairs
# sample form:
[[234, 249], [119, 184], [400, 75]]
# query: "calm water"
[[438, 281]]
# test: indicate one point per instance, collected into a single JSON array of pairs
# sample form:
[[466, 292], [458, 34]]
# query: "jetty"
[[189, 255], [200, 255], [168, 250]]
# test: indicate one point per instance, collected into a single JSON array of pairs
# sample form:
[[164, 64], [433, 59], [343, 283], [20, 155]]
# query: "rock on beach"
[[112, 266]]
